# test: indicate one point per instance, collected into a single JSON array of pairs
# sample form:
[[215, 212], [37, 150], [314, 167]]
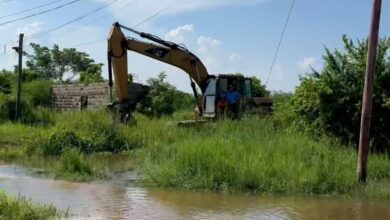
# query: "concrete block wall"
[[69, 97]]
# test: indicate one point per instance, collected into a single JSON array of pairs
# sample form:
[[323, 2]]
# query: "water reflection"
[[122, 199]]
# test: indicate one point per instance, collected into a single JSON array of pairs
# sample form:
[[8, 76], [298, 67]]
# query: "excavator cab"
[[217, 86]]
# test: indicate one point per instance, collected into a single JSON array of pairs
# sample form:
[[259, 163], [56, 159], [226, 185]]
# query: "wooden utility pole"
[[364, 139], [20, 77]]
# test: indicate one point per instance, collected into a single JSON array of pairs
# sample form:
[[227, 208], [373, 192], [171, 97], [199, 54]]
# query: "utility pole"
[[20, 72], [364, 139]]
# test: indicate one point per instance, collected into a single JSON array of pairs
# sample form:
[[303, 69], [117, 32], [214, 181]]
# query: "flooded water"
[[122, 199]]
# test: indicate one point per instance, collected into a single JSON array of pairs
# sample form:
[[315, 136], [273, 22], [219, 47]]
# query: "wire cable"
[[280, 41], [71, 21], [101, 17], [30, 9], [39, 13], [155, 14], [138, 24]]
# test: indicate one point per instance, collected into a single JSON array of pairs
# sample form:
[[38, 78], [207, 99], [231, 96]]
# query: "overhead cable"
[[39, 13], [138, 24], [71, 21], [280, 41], [30, 9]]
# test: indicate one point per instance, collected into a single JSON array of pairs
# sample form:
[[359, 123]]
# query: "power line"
[[102, 17], [138, 24], [280, 41], [71, 21], [90, 42], [31, 9], [40, 13], [155, 14]]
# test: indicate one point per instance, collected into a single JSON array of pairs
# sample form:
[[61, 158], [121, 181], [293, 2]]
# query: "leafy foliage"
[[64, 65], [37, 93], [259, 90], [159, 101], [92, 74], [5, 82], [331, 99]]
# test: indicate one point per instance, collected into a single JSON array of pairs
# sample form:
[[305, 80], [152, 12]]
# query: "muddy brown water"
[[121, 198]]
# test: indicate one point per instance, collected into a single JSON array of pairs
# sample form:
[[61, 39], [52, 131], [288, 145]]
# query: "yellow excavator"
[[177, 55]]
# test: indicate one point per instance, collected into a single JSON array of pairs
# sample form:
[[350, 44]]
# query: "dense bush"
[[35, 94], [38, 93], [330, 101], [5, 83], [88, 132], [8, 110], [160, 98], [59, 140]]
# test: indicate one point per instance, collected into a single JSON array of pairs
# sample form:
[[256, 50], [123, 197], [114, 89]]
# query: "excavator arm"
[[164, 51]]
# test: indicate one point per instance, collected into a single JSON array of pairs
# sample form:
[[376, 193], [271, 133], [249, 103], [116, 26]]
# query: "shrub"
[[8, 110], [89, 132], [105, 137], [5, 83], [38, 93], [60, 139], [331, 100], [160, 99], [72, 161]]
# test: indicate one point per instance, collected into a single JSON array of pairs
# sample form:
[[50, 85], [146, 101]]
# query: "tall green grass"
[[257, 155], [22, 209]]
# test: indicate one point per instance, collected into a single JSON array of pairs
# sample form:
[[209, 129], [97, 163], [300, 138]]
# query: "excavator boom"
[[164, 51]]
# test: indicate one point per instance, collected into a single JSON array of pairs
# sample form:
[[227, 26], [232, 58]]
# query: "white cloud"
[[308, 63], [31, 28], [207, 44], [178, 34]]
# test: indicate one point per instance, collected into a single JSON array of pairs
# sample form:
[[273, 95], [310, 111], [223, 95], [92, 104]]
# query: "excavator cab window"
[[210, 98], [241, 84]]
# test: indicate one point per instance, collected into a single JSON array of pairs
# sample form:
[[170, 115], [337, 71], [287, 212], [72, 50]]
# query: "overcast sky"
[[228, 35]]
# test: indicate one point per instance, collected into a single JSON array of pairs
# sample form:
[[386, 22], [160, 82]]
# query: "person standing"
[[222, 106], [233, 99]]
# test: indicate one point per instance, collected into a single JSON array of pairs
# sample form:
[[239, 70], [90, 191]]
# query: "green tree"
[[331, 99], [259, 89], [92, 74], [5, 82], [183, 101], [160, 98], [64, 66]]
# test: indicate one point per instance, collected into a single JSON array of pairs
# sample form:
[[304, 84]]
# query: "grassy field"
[[256, 155], [259, 156], [22, 209]]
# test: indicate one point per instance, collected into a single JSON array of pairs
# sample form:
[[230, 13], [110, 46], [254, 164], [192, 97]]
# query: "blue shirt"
[[232, 97]]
